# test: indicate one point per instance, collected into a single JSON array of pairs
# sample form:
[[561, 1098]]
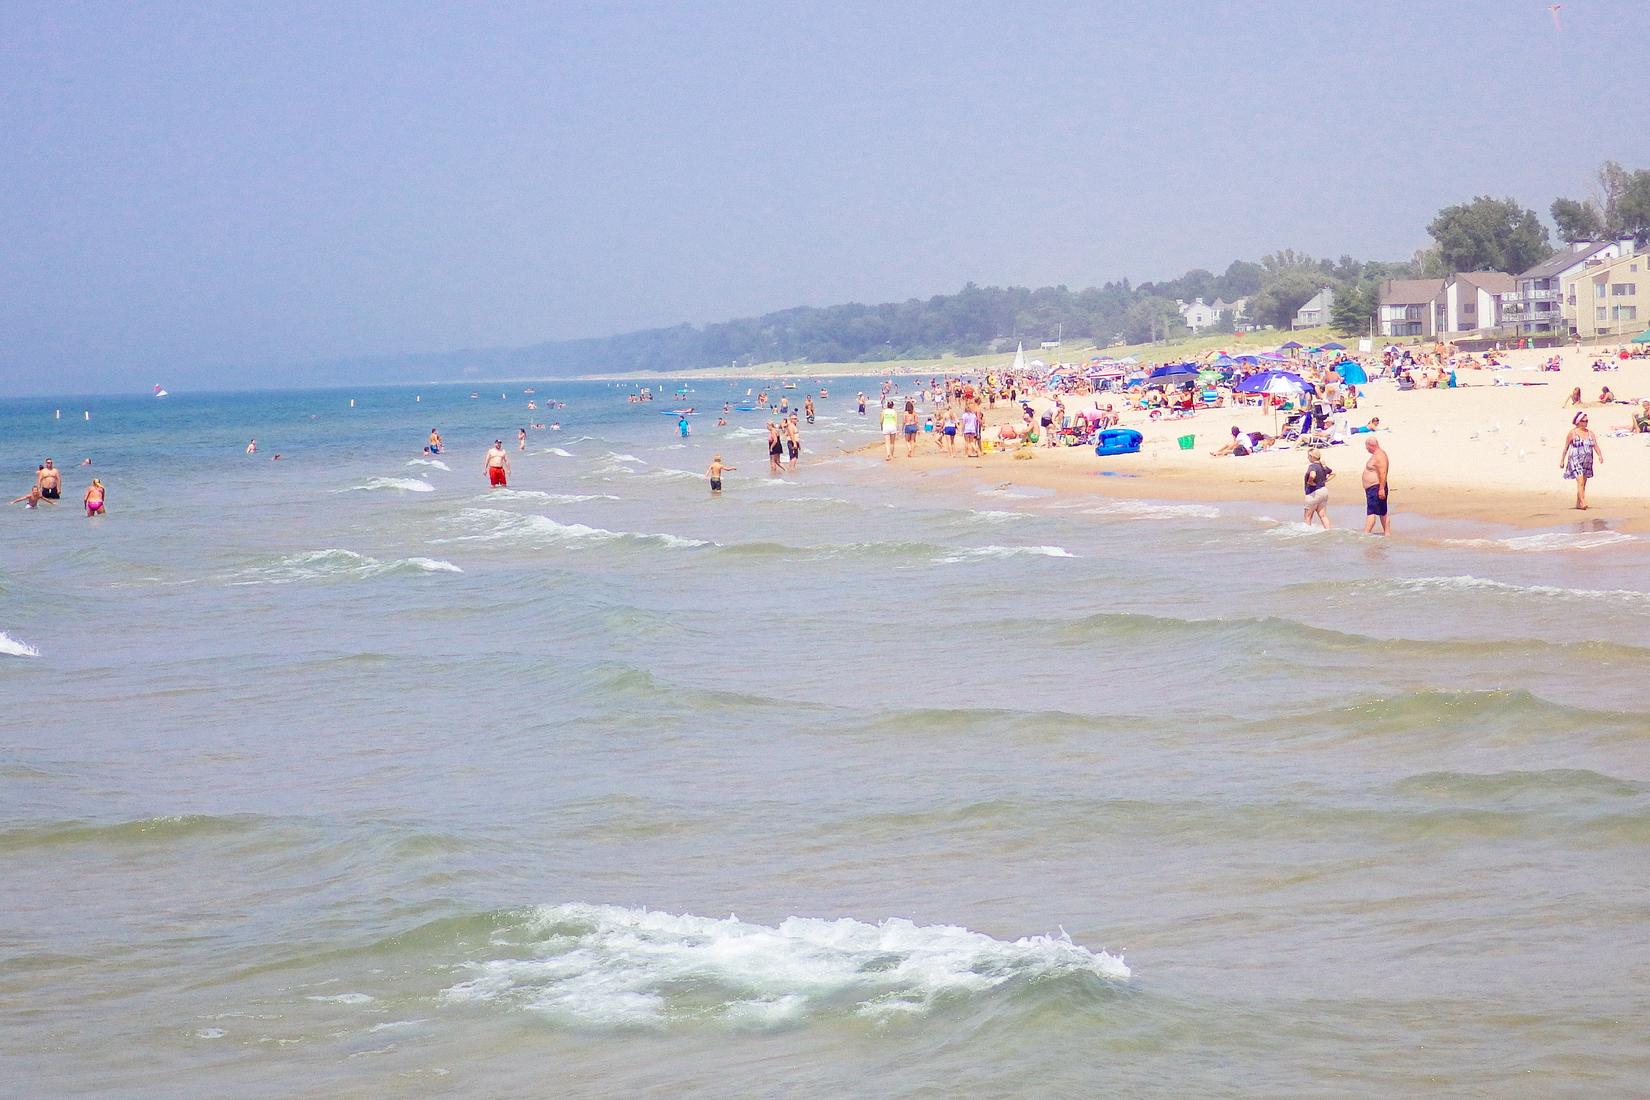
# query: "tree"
[[1242, 279], [1354, 306], [1577, 221], [1282, 294], [1633, 209], [1489, 235], [1150, 319]]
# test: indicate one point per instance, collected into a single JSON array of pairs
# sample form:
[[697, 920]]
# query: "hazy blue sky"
[[190, 184]]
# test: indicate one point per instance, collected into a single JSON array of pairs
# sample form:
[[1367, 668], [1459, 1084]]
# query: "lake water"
[[343, 775]]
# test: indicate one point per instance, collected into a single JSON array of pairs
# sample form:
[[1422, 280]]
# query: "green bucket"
[[1187, 441]]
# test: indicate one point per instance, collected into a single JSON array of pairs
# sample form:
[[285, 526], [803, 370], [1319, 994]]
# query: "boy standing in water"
[[715, 474]]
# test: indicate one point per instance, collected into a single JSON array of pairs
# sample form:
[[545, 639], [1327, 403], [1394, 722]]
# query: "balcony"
[[1535, 296]]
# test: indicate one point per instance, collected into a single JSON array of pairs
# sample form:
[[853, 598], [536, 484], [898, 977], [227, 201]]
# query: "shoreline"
[[1481, 453]]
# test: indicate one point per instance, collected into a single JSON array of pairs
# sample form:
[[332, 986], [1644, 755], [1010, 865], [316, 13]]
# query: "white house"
[[1472, 301], [1315, 311], [1198, 315]]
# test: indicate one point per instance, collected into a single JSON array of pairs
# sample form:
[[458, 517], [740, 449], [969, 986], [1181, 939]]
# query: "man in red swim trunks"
[[498, 465]]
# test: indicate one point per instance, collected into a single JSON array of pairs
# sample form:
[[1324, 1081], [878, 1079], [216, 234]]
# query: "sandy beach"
[[1481, 451]]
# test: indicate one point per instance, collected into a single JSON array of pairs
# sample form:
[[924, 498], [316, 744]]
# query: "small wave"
[[336, 563], [1563, 784], [541, 530], [557, 451], [406, 484], [537, 494], [1142, 509], [1431, 585], [151, 830], [606, 966], [1548, 541], [989, 516], [11, 647], [344, 999], [984, 553], [436, 462]]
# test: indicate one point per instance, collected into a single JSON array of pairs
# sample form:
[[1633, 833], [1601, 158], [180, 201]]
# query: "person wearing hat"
[[498, 466], [1581, 450]]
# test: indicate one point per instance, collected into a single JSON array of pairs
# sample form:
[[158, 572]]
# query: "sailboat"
[[1020, 359], [158, 391]]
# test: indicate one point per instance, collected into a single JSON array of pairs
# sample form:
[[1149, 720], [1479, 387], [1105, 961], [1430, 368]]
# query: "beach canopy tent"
[[1643, 337], [1351, 372]]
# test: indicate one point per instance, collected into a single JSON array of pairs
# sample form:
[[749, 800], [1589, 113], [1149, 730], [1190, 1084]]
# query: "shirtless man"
[[1375, 487], [498, 466], [808, 408], [793, 441], [49, 480], [433, 447]]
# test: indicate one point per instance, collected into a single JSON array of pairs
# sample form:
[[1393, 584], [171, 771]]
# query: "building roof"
[[1563, 261], [1410, 292], [1496, 282]]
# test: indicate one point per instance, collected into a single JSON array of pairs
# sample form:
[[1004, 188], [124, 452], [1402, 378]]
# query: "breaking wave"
[[1548, 542], [336, 564], [406, 484], [11, 647], [538, 530], [436, 462], [983, 553], [603, 966]]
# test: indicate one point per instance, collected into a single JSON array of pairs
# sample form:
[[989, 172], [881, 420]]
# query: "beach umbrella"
[[1248, 360], [1643, 337], [1334, 346], [1222, 360], [1291, 346], [1273, 357], [1172, 374]]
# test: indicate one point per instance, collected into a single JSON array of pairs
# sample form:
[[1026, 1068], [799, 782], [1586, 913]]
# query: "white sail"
[[1020, 358]]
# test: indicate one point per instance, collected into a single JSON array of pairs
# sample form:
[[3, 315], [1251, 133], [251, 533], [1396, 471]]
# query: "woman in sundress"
[[1581, 451]]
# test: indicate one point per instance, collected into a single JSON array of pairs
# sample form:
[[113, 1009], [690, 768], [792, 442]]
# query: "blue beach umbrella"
[[1172, 374], [1291, 346], [1334, 346]]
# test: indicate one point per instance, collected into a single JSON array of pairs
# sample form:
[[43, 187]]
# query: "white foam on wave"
[[608, 966], [337, 563], [557, 451], [344, 999], [542, 530], [985, 553], [1429, 585], [436, 462], [538, 494], [987, 515], [407, 484], [1145, 509], [1548, 541], [11, 647]]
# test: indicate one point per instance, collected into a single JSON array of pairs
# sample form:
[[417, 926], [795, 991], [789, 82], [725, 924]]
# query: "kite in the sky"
[[1553, 10]]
